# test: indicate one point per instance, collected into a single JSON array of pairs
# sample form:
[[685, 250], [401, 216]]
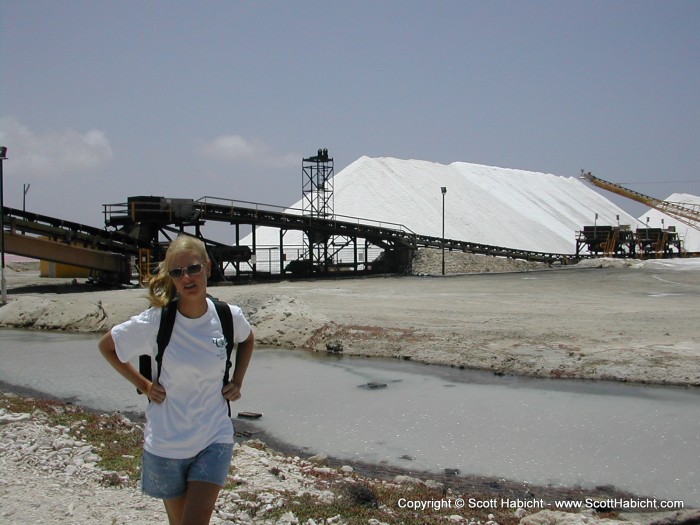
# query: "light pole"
[[443, 189], [3, 284], [24, 197], [595, 233]]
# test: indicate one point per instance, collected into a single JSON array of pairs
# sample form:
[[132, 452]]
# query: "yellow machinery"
[[144, 265]]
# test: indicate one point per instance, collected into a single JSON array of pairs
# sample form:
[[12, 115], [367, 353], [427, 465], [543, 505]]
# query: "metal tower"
[[317, 202]]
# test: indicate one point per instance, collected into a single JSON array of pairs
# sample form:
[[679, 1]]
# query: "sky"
[[106, 100]]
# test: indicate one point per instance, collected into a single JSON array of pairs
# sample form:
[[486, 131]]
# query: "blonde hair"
[[161, 289]]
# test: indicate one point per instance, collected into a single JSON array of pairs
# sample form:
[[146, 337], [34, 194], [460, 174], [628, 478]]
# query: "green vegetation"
[[354, 498], [116, 440]]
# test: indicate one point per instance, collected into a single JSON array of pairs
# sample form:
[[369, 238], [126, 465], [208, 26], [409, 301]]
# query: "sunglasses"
[[192, 269]]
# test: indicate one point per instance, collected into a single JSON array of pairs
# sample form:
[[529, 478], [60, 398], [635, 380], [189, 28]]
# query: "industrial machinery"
[[688, 214], [608, 241]]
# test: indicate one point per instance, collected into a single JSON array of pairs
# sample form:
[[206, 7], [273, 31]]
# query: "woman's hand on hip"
[[156, 393], [232, 392]]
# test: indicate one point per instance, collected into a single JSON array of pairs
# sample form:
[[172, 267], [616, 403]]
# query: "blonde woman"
[[188, 439]]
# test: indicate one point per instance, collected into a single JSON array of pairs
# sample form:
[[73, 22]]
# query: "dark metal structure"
[[107, 253], [3, 283], [621, 241], [606, 241], [317, 185], [138, 230], [658, 242], [154, 221], [688, 214], [145, 218], [317, 203]]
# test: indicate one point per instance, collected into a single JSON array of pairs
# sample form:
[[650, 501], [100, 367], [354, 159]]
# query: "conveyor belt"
[[376, 233], [57, 240], [106, 250]]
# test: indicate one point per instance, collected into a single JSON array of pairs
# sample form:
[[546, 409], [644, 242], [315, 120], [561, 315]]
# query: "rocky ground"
[[49, 475]]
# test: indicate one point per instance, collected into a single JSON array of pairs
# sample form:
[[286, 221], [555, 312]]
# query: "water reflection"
[[540, 431]]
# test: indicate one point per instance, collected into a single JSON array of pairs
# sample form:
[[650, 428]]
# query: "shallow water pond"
[[639, 438]]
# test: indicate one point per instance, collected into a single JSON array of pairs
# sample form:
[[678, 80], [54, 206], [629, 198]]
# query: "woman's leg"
[[195, 507], [205, 476], [174, 508]]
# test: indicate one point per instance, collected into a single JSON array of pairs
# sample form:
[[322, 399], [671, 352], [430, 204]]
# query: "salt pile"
[[499, 206], [690, 236]]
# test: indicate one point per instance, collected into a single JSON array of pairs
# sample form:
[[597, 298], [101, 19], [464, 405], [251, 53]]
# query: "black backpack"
[[165, 329]]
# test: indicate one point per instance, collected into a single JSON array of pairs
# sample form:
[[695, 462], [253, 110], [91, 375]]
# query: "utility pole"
[[3, 284], [24, 197], [444, 191]]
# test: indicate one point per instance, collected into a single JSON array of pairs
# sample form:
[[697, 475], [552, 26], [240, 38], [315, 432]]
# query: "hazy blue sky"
[[102, 100]]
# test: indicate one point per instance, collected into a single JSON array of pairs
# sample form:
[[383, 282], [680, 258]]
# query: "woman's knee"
[[200, 501]]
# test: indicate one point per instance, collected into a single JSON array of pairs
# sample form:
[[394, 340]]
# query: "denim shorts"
[[167, 478]]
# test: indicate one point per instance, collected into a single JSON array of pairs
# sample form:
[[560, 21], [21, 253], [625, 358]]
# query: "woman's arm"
[[232, 391], [108, 349]]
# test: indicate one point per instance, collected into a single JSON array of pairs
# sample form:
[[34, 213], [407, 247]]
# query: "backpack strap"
[[223, 310], [165, 329], [145, 368]]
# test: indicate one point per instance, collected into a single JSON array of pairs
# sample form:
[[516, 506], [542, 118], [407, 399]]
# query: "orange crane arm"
[[689, 215]]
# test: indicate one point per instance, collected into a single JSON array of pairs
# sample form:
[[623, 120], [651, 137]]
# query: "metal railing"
[[203, 202]]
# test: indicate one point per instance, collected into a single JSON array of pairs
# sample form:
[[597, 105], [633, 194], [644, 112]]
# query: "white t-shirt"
[[195, 413]]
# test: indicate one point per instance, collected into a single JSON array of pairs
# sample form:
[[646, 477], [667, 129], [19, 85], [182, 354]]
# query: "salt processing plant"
[[370, 218]]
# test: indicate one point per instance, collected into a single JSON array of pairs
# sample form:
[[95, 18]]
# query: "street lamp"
[[443, 189], [3, 284], [24, 197]]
